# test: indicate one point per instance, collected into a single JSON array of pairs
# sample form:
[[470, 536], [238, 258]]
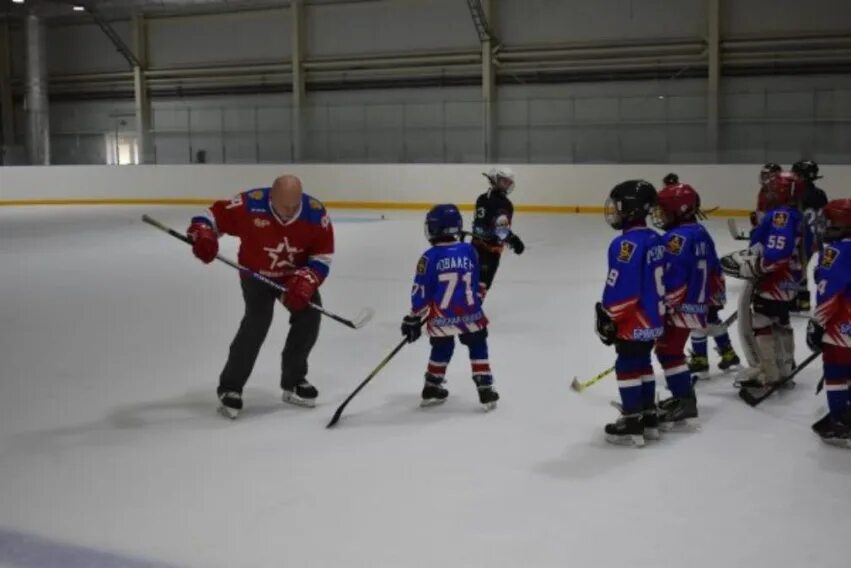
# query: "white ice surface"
[[113, 337]]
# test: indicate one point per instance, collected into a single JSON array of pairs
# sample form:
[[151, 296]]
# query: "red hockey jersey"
[[269, 245]]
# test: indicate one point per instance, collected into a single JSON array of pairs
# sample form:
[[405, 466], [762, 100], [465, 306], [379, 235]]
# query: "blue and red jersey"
[[693, 278], [635, 289], [777, 238], [446, 290], [833, 299]]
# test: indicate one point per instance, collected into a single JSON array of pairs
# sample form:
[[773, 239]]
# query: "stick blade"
[[335, 418], [576, 385], [363, 318]]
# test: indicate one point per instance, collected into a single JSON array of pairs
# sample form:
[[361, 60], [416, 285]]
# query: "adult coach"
[[285, 235]]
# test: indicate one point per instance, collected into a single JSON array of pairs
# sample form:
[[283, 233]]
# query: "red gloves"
[[205, 242], [301, 285]]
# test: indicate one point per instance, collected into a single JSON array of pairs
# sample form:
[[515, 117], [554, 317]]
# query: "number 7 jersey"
[[445, 291], [635, 290]]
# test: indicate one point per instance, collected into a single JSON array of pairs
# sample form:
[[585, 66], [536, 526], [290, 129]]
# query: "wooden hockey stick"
[[580, 386]]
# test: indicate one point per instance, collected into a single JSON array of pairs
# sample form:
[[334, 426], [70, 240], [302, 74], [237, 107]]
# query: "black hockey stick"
[[820, 385], [339, 412], [754, 400], [361, 320]]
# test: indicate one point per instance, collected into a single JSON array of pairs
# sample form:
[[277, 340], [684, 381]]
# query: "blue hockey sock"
[[698, 345]]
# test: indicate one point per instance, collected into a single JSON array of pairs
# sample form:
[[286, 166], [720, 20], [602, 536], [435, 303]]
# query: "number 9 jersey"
[[634, 294], [445, 290]]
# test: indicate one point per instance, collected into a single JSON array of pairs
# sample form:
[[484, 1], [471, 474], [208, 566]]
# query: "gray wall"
[[775, 117]]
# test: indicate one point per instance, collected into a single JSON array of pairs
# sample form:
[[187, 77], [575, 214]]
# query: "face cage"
[[495, 183], [612, 215]]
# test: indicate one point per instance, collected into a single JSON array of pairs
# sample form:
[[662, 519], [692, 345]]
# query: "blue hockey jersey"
[[777, 238], [446, 290], [635, 289], [833, 300], [692, 270]]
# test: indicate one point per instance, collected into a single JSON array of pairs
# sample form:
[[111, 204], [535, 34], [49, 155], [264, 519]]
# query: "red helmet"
[[783, 189], [838, 216], [676, 203]]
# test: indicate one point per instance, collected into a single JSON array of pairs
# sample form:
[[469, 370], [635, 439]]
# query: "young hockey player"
[[492, 224], [770, 264], [813, 201], [446, 296], [630, 315], [693, 284], [830, 330]]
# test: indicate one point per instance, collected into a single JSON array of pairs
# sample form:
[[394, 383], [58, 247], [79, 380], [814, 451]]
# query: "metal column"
[[7, 115], [144, 144], [488, 85], [713, 79], [38, 118], [298, 88]]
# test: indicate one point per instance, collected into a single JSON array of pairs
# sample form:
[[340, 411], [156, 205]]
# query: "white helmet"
[[501, 173]]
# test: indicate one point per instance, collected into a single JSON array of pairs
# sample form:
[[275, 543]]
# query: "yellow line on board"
[[385, 205]]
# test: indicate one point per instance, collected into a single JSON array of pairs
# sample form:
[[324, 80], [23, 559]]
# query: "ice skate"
[[628, 430], [304, 394], [433, 391], [230, 404]]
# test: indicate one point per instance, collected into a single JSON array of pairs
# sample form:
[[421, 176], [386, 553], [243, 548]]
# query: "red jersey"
[[269, 245]]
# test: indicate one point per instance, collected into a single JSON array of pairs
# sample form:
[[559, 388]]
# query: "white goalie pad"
[[742, 264], [745, 325]]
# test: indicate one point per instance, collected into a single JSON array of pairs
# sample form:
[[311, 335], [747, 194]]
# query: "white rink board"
[[726, 186]]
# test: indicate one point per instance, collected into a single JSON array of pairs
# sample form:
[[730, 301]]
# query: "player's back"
[[777, 237], [689, 253], [452, 284], [833, 279], [635, 289]]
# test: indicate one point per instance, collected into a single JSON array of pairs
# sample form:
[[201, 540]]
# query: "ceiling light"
[[17, 1], [79, 9]]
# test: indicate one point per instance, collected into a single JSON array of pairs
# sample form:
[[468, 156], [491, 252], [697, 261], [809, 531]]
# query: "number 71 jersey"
[[635, 289], [446, 290]]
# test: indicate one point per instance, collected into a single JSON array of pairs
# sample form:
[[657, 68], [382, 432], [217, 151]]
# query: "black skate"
[[833, 432], [487, 395], [230, 404], [304, 394], [628, 430], [678, 413], [433, 391], [650, 417], [729, 359]]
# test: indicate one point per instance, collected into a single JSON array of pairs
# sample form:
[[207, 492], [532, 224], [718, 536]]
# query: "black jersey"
[[814, 198], [492, 225]]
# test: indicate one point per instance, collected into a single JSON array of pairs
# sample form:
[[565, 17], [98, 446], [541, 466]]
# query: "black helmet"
[[629, 201], [768, 171], [806, 169], [671, 179]]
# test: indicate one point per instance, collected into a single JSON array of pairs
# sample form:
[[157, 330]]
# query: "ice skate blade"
[[427, 402], [652, 434], [631, 440], [489, 406], [296, 400], [686, 425], [837, 443], [231, 413]]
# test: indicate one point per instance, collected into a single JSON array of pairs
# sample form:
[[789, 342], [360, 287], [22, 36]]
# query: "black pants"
[[488, 265], [260, 302]]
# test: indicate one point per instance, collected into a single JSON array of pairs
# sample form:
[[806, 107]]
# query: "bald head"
[[286, 196]]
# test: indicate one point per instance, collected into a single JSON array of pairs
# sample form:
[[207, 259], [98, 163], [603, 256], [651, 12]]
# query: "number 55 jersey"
[[445, 290], [777, 239], [634, 294]]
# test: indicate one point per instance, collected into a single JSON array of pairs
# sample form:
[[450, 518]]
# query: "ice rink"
[[112, 454]]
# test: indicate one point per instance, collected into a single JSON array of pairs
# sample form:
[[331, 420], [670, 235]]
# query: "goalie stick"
[[754, 399], [735, 232], [361, 320]]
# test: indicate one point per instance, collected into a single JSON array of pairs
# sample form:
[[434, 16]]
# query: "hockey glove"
[[301, 286], [411, 328], [205, 242], [607, 330], [815, 334], [515, 243]]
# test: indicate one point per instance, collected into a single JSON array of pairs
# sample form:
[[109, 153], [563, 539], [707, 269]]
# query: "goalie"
[[769, 265]]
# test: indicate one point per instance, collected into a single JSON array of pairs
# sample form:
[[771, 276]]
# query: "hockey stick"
[[820, 385], [339, 412], [361, 320], [580, 386], [754, 400]]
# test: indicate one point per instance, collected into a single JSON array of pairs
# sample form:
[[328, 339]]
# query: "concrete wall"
[[556, 187]]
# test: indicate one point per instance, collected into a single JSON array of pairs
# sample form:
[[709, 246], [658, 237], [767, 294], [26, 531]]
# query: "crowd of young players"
[[661, 289]]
